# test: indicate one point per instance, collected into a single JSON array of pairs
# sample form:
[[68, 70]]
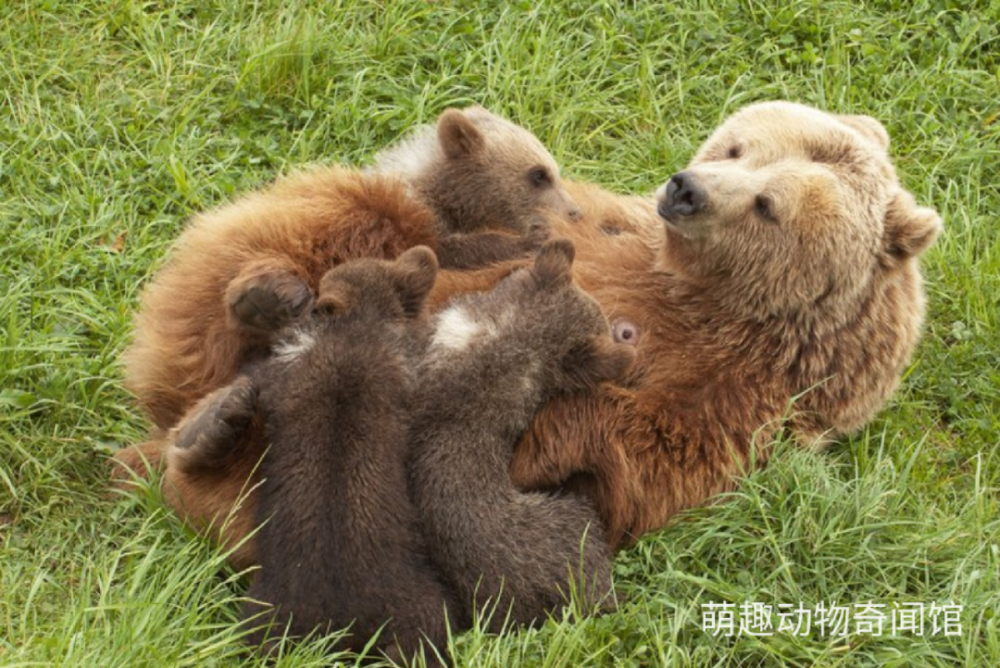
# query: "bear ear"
[[459, 137], [598, 360], [334, 295], [868, 127], [414, 273], [909, 229], [554, 263]]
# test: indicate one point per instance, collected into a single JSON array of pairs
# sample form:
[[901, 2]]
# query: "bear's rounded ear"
[[909, 229], [458, 136], [869, 128], [554, 263], [334, 295], [414, 273], [332, 302], [598, 360]]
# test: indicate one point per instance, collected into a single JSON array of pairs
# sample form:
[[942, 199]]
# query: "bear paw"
[[213, 432], [268, 302]]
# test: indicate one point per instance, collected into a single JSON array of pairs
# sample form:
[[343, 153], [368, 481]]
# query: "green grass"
[[119, 119]]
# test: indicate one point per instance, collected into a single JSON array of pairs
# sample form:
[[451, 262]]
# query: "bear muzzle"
[[682, 197]]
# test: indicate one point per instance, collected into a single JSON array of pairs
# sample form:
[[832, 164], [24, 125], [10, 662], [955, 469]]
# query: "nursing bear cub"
[[475, 187], [494, 360], [339, 542], [361, 391]]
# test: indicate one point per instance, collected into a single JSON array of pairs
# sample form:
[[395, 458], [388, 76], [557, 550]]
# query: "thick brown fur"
[[340, 541], [495, 358], [745, 323], [476, 189]]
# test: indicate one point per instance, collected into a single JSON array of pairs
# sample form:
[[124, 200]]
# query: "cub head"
[[561, 324], [368, 302], [383, 289], [798, 211], [478, 170]]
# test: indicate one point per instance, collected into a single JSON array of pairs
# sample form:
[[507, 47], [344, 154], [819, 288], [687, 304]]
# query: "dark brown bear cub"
[[340, 543], [494, 360]]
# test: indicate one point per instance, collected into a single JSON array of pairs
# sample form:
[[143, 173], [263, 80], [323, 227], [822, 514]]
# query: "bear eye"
[[539, 177], [735, 151], [764, 207]]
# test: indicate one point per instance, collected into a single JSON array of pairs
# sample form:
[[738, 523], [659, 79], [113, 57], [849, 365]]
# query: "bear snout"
[[567, 205], [683, 197]]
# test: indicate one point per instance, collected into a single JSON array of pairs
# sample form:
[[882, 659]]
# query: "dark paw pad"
[[272, 302]]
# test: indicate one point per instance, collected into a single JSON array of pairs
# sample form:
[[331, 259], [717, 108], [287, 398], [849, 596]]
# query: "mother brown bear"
[[774, 284]]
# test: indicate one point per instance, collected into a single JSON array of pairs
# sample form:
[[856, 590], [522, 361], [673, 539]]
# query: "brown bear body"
[[792, 292], [495, 358], [787, 292], [340, 542]]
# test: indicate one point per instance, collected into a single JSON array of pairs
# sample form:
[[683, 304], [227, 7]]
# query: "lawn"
[[119, 119]]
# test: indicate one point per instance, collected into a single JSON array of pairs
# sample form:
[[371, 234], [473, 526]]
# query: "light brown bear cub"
[[340, 542], [475, 188], [494, 360]]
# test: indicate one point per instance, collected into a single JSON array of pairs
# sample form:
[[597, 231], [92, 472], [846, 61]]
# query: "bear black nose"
[[685, 197]]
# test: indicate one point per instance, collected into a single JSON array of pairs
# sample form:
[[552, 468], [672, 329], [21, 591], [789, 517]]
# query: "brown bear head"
[[797, 211], [477, 170], [376, 302], [385, 289]]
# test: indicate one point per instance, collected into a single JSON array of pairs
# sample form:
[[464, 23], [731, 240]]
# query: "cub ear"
[[458, 136], [869, 127], [414, 273], [333, 296], [909, 229], [554, 263], [598, 360]]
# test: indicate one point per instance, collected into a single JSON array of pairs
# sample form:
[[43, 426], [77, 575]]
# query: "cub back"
[[494, 360], [340, 543]]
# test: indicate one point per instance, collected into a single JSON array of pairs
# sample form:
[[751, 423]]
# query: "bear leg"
[[207, 438]]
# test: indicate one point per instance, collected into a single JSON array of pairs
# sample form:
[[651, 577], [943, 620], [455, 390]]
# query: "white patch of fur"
[[291, 349], [411, 156], [455, 329]]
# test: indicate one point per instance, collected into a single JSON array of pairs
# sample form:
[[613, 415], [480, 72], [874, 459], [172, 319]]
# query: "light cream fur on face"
[[831, 263], [796, 201]]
